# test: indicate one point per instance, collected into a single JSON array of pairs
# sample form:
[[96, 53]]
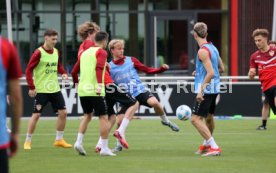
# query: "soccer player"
[[266, 107], [207, 83], [91, 89], [10, 72], [123, 70], [44, 65], [264, 60], [114, 94]]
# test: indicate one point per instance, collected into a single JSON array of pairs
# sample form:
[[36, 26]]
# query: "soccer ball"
[[183, 112]]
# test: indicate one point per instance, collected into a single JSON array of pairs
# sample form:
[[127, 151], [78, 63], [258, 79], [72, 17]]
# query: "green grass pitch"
[[153, 148]]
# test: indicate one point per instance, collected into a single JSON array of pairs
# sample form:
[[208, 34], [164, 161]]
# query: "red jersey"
[[34, 60], [85, 45], [140, 66], [265, 62]]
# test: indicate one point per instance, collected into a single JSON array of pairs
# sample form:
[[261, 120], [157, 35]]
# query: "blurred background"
[[156, 31]]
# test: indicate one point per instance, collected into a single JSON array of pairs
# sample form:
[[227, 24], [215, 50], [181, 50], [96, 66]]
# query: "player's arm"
[[61, 69], [253, 68], [34, 60], [101, 56], [203, 55], [75, 71], [148, 70], [221, 66], [15, 98]]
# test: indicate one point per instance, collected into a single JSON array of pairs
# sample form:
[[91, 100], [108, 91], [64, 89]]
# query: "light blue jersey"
[[126, 77], [4, 137], [214, 86]]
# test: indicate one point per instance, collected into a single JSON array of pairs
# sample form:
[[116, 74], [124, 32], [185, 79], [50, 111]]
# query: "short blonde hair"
[[262, 32], [87, 28], [115, 42], [200, 29]]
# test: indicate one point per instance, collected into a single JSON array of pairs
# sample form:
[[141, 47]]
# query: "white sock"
[[164, 118], [104, 144], [212, 142], [99, 144], [59, 135], [79, 138], [204, 142], [123, 126], [28, 137]]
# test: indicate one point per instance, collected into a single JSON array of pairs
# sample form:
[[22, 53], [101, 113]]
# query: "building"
[[156, 31]]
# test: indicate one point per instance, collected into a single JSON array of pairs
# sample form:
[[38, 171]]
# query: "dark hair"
[[50, 32], [262, 32], [101, 36]]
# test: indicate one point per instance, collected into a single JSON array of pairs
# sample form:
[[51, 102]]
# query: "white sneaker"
[[107, 152], [79, 148]]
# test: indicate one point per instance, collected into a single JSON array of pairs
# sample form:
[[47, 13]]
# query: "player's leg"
[[200, 111], [58, 103], [149, 100], [40, 101], [265, 113], [100, 108]]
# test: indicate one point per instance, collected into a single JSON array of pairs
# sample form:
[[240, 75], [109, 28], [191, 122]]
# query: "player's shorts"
[[142, 99], [115, 94], [270, 95], [94, 103], [42, 99], [4, 161], [208, 105]]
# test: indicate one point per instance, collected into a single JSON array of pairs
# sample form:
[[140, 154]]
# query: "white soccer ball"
[[183, 112]]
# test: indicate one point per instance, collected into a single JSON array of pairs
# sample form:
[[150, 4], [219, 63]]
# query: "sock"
[[212, 142], [204, 142], [264, 123], [59, 135], [104, 144], [28, 137], [164, 118], [123, 126], [79, 138], [99, 144]]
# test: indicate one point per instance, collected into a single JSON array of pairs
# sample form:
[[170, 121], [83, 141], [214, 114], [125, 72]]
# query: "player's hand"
[[99, 89], [165, 66], [14, 138], [251, 74], [64, 76], [199, 97], [194, 73], [32, 93], [107, 65]]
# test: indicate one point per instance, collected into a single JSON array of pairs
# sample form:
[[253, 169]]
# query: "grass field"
[[153, 149]]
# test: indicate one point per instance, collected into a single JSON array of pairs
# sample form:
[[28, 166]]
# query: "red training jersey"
[[265, 62]]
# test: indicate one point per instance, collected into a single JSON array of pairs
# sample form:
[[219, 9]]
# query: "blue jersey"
[[214, 86], [4, 137], [126, 77]]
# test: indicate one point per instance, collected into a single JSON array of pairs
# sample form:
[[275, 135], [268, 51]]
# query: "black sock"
[[264, 123]]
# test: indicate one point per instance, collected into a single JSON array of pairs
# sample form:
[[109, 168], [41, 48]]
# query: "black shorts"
[[208, 105], [115, 94], [56, 99], [270, 95], [142, 99], [94, 103], [4, 161]]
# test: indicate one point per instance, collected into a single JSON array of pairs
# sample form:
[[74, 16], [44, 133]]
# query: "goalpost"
[[274, 22], [9, 19]]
